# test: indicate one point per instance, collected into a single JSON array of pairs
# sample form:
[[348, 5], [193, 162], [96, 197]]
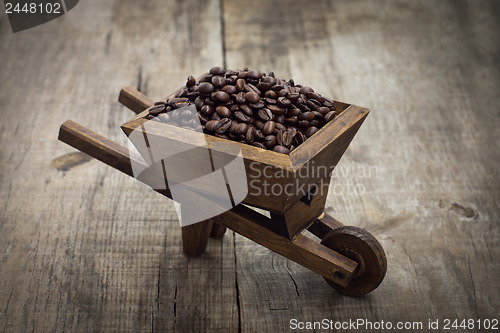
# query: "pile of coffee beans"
[[250, 107]]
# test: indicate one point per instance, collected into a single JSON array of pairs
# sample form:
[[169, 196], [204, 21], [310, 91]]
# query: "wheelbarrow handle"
[[96, 145], [134, 99]]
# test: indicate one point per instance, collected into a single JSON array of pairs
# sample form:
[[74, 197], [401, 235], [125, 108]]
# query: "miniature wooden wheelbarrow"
[[350, 259]]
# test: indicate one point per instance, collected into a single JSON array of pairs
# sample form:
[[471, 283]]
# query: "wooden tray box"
[[319, 155]]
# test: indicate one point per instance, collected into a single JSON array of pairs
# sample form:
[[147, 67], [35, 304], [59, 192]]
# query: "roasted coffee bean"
[[251, 88], [206, 88], [173, 100], [269, 127], [241, 117], [299, 138], [307, 116], [316, 123], [218, 81], [178, 103], [330, 115], [234, 107], [306, 90], [259, 124], [284, 102], [223, 125], [258, 144], [157, 109], [277, 110], [211, 125], [268, 100], [159, 103], [180, 93], [315, 96], [286, 139], [203, 118], [293, 97], [233, 136], [293, 112], [265, 114], [254, 74], [250, 135], [323, 110], [283, 92], [208, 101], [270, 141], [242, 74], [303, 124], [277, 87], [222, 96], [234, 124], [206, 78], [280, 119], [281, 149], [258, 105], [199, 102], [207, 110], [271, 94], [241, 128], [279, 137], [279, 127], [329, 103], [304, 108], [217, 71], [240, 84], [191, 81], [240, 98], [247, 110], [310, 131], [317, 115], [270, 80], [215, 116], [263, 86], [259, 136], [230, 90], [291, 121], [223, 111], [313, 104], [252, 97]]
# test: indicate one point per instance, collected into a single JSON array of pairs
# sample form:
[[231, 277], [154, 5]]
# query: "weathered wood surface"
[[87, 249]]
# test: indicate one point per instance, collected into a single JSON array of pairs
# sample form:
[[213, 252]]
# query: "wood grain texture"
[[302, 250], [88, 250], [427, 72]]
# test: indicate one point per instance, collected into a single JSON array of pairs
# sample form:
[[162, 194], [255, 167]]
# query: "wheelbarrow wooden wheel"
[[360, 246]]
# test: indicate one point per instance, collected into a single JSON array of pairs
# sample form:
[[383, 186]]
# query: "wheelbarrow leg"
[[195, 237], [218, 230]]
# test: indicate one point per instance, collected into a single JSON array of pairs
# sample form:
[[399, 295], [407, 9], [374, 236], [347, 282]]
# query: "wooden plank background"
[[86, 249]]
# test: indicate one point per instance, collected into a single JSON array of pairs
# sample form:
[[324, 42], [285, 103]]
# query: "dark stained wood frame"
[[323, 149], [282, 233]]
